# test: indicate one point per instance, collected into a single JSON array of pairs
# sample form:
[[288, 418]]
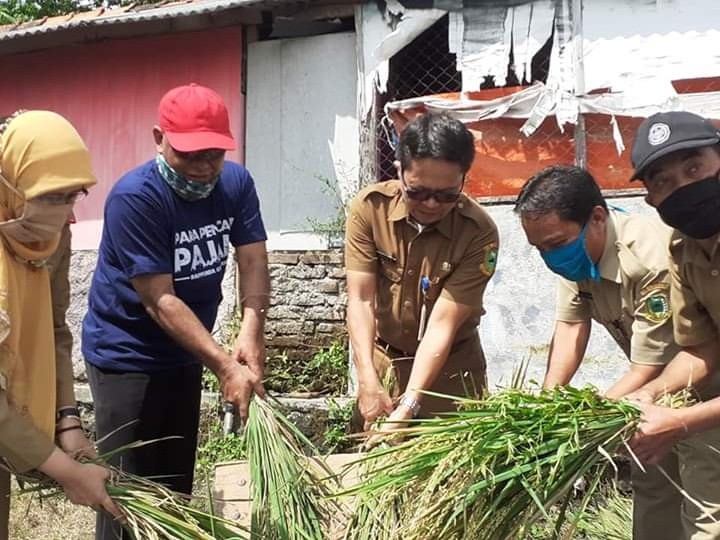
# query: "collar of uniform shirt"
[[609, 264]]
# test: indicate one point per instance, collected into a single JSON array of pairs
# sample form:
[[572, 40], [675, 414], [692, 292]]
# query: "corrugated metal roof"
[[125, 14]]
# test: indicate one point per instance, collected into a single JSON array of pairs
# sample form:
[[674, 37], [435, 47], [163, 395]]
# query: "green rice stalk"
[[290, 500], [492, 468], [150, 510]]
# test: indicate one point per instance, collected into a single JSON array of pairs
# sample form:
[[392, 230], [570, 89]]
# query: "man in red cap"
[[169, 225]]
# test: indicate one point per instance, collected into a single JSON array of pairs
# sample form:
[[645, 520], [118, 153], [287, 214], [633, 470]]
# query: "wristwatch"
[[67, 412], [412, 404]]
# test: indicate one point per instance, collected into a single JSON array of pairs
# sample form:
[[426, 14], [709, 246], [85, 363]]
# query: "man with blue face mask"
[[169, 228], [614, 269]]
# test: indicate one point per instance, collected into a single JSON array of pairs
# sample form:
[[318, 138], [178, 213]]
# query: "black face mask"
[[694, 209]]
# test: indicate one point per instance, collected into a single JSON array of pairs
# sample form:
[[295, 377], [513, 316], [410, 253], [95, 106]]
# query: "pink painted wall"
[[110, 92]]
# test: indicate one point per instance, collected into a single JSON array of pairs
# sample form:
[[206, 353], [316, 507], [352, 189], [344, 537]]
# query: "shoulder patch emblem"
[[487, 266], [657, 306]]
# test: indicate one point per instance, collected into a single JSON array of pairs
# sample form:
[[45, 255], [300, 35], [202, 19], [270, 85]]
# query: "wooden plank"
[[231, 489]]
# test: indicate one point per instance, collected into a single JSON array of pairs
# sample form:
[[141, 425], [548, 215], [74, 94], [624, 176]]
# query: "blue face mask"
[[190, 190], [572, 261]]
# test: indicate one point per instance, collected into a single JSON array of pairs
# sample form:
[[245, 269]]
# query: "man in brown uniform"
[[614, 269], [677, 157], [419, 254]]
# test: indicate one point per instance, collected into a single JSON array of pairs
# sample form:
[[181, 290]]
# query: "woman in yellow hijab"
[[44, 167]]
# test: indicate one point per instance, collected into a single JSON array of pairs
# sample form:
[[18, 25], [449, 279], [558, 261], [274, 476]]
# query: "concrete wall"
[[302, 132]]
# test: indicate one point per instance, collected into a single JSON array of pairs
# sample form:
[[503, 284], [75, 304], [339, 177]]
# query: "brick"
[[330, 328], [306, 299], [323, 257], [283, 311], [308, 328], [337, 273], [286, 327], [328, 286], [283, 257], [326, 314], [304, 271]]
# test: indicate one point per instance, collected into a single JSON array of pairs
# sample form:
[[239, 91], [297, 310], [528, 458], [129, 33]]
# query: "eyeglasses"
[[211, 154], [422, 195], [61, 199]]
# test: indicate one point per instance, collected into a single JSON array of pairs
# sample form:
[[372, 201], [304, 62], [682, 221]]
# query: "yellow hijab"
[[40, 152]]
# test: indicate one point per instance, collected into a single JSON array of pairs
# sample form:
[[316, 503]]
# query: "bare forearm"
[[430, 358], [183, 326], [567, 349], [702, 416], [691, 366], [254, 296], [633, 380], [361, 329]]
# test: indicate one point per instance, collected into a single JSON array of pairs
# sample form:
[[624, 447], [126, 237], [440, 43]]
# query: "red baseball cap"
[[194, 117]]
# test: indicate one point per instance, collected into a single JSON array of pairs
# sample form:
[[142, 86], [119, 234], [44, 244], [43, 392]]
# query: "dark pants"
[[141, 407]]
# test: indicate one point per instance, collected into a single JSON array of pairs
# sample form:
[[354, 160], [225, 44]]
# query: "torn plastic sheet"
[[482, 38], [485, 46], [381, 43], [537, 102]]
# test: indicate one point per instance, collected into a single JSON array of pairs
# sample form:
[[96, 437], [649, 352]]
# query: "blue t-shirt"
[[149, 229]]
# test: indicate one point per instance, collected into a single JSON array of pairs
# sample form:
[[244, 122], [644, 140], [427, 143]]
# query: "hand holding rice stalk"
[[491, 469], [290, 501], [151, 511]]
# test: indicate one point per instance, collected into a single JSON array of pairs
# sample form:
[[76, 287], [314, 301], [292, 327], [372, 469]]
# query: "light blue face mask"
[[190, 190], [572, 261]]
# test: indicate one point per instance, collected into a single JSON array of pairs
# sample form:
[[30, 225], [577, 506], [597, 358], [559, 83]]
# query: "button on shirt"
[[457, 255], [631, 299]]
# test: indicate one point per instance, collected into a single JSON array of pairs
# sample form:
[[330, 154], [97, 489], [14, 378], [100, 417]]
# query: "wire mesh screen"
[[424, 67]]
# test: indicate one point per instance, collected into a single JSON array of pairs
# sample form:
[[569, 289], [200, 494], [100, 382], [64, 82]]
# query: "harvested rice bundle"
[[491, 469], [290, 499], [151, 511]]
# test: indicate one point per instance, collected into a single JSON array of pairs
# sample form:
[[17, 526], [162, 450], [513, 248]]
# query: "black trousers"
[[130, 407]]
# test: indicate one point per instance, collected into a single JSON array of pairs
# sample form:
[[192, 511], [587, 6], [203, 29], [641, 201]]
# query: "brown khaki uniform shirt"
[[695, 291], [22, 443], [695, 296], [632, 297], [457, 254]]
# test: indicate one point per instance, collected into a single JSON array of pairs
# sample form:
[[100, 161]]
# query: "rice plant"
[[150, 510], [491, 469], [289, 495], [609, 518]]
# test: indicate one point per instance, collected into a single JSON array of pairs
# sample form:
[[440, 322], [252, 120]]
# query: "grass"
[[323, 373], [337, 437]]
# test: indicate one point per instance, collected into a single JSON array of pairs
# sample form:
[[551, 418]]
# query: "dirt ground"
[[33, 519]]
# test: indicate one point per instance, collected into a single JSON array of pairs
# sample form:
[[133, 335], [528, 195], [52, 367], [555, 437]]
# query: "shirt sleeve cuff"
[[569, 316], [651, 357]]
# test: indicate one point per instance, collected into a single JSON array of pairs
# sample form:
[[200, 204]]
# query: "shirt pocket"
[[389, 268], [438, 279]]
